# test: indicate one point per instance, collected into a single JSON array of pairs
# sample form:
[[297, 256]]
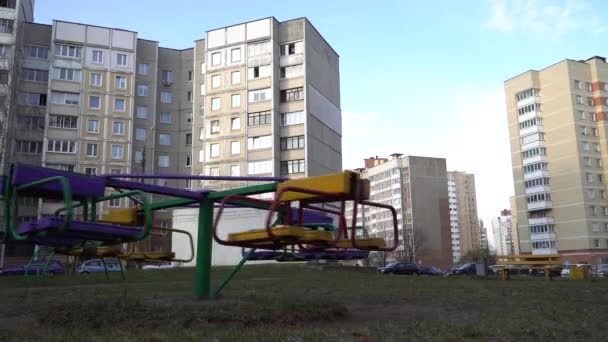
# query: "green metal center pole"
[[202, 282]]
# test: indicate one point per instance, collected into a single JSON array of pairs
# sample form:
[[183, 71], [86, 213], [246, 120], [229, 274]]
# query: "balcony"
[[540, 205], [544, 250], [540, 220], [530, 115], [529, 100], [535, 159], [532, 129], [542, 236], [534, 144], [540, 188], [536, 174]]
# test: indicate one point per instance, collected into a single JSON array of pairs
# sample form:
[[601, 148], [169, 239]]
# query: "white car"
[[158, 267]]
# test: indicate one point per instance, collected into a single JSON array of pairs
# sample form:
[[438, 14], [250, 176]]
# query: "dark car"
[[400, 268], [466, 269], [431, 271], [55, 267]]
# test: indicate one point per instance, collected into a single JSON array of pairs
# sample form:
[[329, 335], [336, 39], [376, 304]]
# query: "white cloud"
[[545, 17], [469, 129]]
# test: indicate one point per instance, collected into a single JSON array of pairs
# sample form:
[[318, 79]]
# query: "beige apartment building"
[[558, 134], [416, 187], [257, 98], [464, 221]]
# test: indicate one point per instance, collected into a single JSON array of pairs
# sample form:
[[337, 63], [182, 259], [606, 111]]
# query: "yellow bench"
[[545, 262], [288, 235]]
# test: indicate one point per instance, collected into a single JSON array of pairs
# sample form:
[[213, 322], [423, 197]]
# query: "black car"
[[431, 271], [466, 269], [400, 268]]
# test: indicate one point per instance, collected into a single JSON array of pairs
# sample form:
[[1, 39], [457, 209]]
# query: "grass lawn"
[[302, 303]]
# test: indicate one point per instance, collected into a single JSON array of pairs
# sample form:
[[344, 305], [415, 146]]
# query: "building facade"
[[464, 222], [415, 186], [100, 100], [558, 134], [483, 235], [502, 229]]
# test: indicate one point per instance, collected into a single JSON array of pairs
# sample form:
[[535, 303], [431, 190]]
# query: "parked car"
[[55, 267], [466, 269], [400, 268], [602, 271], [158, 267], [96, 266], [427, 270]]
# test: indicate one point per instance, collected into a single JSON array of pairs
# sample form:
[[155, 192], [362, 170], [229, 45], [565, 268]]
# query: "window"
[[141, 112], [188, 118], [142, 90], [526, 139], [292, 166], [257, 49], [5, 51], [118, 128], [188, 160], [202, 89], [114, 203], [590, 101], [165, 117], [596, 147], [97, 56], [579, 99], [121, 59], [235, 170], [216, 58], [62, 167], [118, 151], [259, 167], [584, 130], [595, 132], [90, 171], [260, 95], [8, 3], [255, 143], [189, 96], [235, 55], [291, 48], [236, 100], [587, 161], [581, 115], [595, 227], [95, 79], [539, 197], [201, 133], [215, 81], [596, 243], [235, 124], [91, 150], [6, 25], [167, 76], [30, 147], [92, 126], [214, 150], [600, 178], [142, 69], [36, 75], [535, 167], [291, 71], [214, 171], [94, 102], [603, 194], [235, 147], [295, 94], [120, 82], [258, 119], [68, 50], [585, 146], [293, 118], [62, 98], [30, 123], [32, 99], [63, 121], [590, 194], [215, 126], [588, 86], [119, 105], [163, 161], [605, 211], [190, 75], [235, 77], [593, 116], [292, 143], [164, 139], [577, 84], [259, 72], [139, 156], [528, 108], [188, 138], [39, 52], [589, 178], [3, 76], [166, 97], [140, 134], [215, 103]]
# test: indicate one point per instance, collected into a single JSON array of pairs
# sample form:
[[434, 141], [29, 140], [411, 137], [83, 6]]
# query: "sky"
[[418, 78]]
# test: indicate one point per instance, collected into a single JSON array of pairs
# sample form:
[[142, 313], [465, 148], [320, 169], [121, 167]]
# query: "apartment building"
[[416, 187], [268, 102], [483, 235], [557, 127], [502, 229], [464, 222], [101, 100]]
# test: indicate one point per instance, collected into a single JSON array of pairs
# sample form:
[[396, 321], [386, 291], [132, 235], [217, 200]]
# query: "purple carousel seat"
[[264, 255], [79, 230], [309, 216], [81, 186], [333, 255]]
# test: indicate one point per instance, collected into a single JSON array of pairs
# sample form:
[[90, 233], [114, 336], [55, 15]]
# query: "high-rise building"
[[100, 100], [503, 233], [464, 222], [558, 133], [415, 186], [483, 235]]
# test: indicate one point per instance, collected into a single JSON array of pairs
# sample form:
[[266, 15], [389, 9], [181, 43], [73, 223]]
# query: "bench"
[[544, 262]]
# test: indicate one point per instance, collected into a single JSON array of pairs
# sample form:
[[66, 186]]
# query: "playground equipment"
[[527, 262], [76, 230]]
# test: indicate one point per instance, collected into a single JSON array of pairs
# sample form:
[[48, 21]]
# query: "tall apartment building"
[[483, 235], [268, 101], [557, 127], [464, 222], [502, 229], [415, 186], [101, 100]]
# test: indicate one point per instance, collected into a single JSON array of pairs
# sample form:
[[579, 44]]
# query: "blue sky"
[[419, 78]]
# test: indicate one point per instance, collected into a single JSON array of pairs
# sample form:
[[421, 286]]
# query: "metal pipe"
[[202, 281]]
